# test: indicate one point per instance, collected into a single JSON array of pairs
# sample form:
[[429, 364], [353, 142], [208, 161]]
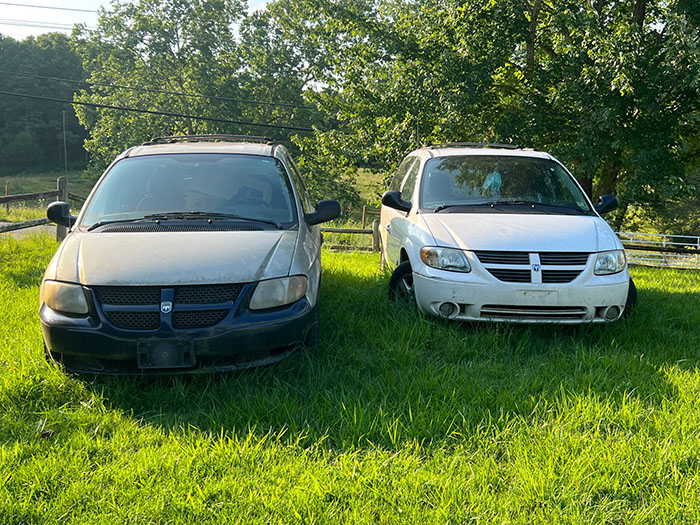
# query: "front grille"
[[144, 301], [530, 312], [564, 259], [208, 294], [503, 257], [126, 295], [134, 320], [559, 276], [198, 318], [511, 276], [547, 260]]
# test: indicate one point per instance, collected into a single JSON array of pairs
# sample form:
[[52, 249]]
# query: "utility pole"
[[65, 149]]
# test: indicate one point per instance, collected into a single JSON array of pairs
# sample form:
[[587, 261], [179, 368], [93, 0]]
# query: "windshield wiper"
[[104, 223], [535, 204], [514, 202], [188, 215]]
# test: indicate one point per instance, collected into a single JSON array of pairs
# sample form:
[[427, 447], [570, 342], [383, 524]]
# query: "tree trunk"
[[639, 12], [532, 34]]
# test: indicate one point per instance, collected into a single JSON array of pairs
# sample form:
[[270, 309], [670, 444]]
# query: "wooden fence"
[[61, 193]]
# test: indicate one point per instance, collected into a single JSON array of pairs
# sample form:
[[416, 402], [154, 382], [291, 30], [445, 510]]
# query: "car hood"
[[521, 232], [94, 258]]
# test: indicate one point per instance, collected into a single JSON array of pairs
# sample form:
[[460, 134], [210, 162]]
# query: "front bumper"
[[243, 339], [480, 297]]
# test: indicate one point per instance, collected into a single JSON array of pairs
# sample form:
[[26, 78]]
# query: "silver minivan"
[[191, 253]]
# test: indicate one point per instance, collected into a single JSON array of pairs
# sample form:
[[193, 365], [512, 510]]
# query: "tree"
[[176, 46], [32, 130], [610, 86]]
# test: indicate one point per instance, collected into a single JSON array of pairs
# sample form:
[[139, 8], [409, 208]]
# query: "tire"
[[631, 298], [401, 284]]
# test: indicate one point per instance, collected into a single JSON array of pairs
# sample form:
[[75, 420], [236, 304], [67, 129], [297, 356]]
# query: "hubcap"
[[406, 288]]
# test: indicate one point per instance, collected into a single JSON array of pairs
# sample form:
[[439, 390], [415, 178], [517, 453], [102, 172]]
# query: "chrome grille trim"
[[491, 257], [533, 312], [563, 258]]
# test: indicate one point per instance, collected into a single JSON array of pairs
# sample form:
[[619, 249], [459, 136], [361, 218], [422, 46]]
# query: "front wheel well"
[[404, 256]]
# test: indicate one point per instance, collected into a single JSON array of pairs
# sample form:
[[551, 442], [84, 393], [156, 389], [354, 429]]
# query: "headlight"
[[64, 297], [278, 292], [445, 259], [610, 262]]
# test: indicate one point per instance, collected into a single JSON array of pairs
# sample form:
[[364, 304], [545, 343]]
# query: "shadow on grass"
[[386, 376]]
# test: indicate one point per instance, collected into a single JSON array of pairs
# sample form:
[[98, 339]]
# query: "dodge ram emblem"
[[166, 306], [535, 267]]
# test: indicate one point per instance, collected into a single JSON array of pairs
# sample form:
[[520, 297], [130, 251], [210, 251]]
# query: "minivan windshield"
[[250, 186], [478, 181]]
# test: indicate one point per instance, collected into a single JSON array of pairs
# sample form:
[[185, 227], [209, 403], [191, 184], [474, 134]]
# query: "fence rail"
[[30, 196], [59, 194], [660, 250]]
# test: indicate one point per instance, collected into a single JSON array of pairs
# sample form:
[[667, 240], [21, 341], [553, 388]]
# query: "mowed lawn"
[[398, 419]]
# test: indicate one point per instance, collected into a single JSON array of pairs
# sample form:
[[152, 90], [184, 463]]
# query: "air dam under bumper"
[[571, 303], [243, 341]]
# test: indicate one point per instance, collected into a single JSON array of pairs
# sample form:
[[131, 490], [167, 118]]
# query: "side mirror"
[[393, 199], [325, 211], [606, 203], [59, 212]]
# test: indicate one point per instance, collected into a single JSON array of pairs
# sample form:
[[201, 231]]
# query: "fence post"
[[375, 235], [364, 216], [7, 192], [62, 187]]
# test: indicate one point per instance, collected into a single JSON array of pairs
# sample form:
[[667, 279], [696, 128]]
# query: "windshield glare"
[[247, 185], [471, 180]]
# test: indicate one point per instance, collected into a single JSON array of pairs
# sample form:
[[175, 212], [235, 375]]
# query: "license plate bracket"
[[165, 354], [538, 297]]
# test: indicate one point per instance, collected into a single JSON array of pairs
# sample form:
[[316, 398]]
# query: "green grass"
[[398, 419]]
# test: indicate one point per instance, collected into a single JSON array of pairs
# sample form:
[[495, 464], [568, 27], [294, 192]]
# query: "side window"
[[409, 182], [400, 173], [301, 189]]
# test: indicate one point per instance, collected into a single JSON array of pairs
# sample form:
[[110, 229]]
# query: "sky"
[[19, 19]]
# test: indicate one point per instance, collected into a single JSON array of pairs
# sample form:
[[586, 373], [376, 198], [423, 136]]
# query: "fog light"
[[612, 313], [448, 309]]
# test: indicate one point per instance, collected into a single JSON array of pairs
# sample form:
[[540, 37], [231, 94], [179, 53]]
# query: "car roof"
[[249, 148], [452, 150]]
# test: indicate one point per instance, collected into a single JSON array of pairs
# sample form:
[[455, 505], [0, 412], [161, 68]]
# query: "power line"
[[155, 90], [151, 112], [50, 7], [40, 25], [3, 20]]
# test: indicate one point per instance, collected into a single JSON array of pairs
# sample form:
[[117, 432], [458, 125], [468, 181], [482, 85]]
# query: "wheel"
[[401, 284], [631, 298]]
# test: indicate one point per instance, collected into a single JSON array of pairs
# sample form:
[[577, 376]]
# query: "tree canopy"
[[30, 129], [611, 87]]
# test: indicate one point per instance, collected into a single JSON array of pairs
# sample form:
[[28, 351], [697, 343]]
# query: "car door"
[[309, 236], [393, 222]]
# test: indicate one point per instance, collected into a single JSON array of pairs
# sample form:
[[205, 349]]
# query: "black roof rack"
[[474, 145], [210, 138]]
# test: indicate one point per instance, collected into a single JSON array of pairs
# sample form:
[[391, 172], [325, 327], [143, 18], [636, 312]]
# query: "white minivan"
[[501, 233]]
